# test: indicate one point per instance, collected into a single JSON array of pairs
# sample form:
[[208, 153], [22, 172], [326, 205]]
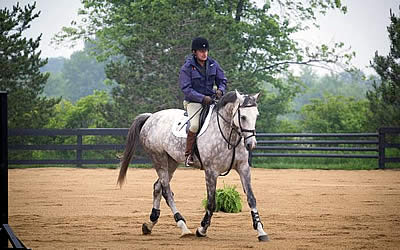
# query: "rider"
[[197, 78]]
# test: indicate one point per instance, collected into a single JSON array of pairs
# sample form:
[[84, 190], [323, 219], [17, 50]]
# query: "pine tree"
[[384, 98], [19, 75]]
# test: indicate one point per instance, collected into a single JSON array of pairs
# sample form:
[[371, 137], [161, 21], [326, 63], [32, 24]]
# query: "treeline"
[[330, 103], [75, 77], [134, 50]]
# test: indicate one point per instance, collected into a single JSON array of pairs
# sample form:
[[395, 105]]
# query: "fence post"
[[381, 148], [3, 167], [79, 151]]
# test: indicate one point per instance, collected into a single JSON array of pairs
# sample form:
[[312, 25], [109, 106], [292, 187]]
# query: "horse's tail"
[[132, 142]]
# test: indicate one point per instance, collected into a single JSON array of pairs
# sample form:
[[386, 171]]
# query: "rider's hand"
[[219, 94], [207, 100]]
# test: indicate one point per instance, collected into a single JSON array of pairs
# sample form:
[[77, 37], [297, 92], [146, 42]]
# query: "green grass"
[[227, 200], [106, 166], [316, 163], [271, 163], [324, 163]]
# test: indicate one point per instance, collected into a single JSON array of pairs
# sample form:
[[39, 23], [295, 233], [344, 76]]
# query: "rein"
[[233, 128]]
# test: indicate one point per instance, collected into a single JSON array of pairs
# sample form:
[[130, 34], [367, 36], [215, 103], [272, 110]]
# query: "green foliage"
[[335, 114], [19, 75], [316, 163], [76, 77], [349, 86], [83, 75], [56, 86], [384, 98], [146, 43], [86, 113], [227, 200]]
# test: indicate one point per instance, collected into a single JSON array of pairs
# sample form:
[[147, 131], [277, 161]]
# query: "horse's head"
[[244, 112], [245, 117]]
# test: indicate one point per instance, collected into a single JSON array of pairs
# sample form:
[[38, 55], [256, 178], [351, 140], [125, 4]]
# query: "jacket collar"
[[193, 62]]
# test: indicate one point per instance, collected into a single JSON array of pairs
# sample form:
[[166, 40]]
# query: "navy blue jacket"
[[196, 85]]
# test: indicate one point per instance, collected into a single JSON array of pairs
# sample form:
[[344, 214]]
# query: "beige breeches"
[[192, 108]]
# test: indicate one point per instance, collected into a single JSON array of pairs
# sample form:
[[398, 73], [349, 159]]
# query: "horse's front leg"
[[245, 178], [211, 183]]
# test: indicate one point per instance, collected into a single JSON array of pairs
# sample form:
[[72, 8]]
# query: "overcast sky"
[[363, 28]]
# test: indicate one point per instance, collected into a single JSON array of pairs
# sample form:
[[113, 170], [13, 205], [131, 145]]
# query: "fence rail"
[[269, 145], [79, 147], [343, 142]]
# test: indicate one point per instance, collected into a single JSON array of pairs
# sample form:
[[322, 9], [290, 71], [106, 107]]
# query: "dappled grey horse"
[[223, 145]]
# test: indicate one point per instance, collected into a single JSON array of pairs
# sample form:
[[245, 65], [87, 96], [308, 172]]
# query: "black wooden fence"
[[344, 145], [349, 145], [79, 147]]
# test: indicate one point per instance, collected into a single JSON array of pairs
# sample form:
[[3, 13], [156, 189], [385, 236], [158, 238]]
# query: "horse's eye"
[[243, 118]]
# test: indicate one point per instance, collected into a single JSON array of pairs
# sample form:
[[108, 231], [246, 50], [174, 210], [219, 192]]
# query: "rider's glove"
[[207, 100], [219, 93]]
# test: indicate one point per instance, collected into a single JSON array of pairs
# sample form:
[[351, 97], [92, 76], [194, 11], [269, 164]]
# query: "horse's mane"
[[229, 97]]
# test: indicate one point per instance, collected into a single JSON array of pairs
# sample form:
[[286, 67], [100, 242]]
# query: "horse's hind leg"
[[155, 212], [245, 177], [162, 187]]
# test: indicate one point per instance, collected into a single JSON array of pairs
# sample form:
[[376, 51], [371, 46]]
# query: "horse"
[[220, 147]]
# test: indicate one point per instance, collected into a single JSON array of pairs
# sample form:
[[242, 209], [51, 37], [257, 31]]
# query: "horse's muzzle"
[[250, 143]]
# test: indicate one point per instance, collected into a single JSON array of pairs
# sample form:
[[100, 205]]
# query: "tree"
[[384, 98], [85, 113], [75, 77], [152, 38], [83, 75], [56, 85], [351, 84], [20, 75], [335, 114], [54, 64]]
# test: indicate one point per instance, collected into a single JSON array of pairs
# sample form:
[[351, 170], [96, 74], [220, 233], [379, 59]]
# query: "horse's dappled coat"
[[154, 131]]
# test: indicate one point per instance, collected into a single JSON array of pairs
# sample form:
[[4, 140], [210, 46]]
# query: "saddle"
[[180, 126]]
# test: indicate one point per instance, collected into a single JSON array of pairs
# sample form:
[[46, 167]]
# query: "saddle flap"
[[179, 128]]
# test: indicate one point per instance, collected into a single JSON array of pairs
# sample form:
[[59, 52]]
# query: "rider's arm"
[[220, 79], [185, 82]]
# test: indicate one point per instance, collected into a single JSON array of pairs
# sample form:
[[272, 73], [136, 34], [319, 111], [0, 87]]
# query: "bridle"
[[238, 130], [252, 131]]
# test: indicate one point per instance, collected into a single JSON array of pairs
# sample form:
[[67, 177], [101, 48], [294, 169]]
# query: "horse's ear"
[[256, 96], [239, 96]]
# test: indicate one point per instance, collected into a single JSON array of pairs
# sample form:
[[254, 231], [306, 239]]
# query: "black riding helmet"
[[199, 43]]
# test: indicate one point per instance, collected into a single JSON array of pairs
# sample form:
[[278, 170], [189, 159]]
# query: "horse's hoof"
[[263, 238], [145, 229], [198, 234]]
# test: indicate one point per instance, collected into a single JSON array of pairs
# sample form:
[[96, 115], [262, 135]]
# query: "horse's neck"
[[222, 124]]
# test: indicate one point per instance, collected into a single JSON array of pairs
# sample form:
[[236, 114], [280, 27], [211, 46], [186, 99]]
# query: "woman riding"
[[197, 78]]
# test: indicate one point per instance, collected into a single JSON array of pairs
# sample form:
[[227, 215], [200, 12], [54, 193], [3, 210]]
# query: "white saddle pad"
[[180, 124]]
